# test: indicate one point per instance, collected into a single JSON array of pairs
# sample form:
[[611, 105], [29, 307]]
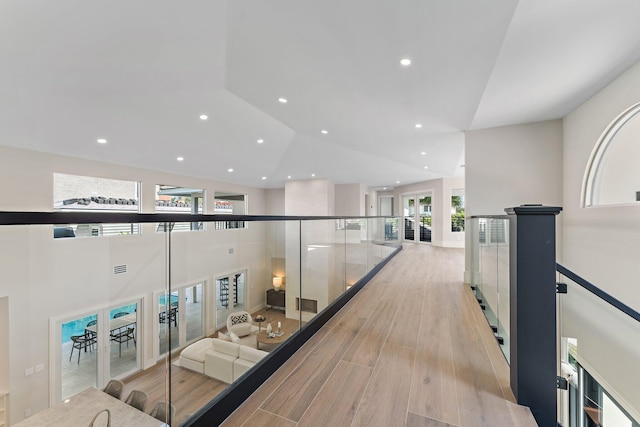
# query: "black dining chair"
[[80, 342], [122, 337], [92, 335]]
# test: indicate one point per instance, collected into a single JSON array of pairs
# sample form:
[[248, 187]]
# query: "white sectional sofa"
[[220, 359]]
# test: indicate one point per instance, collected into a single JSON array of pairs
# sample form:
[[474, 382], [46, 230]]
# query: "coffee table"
[[262, 338]]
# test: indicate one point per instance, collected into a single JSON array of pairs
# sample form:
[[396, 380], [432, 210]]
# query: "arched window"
[[612, 176]]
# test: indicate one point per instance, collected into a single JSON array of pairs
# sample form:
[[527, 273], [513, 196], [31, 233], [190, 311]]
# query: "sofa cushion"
[[230, 348], [219, 365], [249, 340], [240, 366], [251, 354]]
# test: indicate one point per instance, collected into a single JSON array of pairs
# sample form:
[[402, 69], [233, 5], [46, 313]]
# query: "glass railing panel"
[[76, 313], [599, 353], [490, 273], [502, 275], [134, 303], [232, 284], [475, 279], [374, 247], [391, 230], [322, 250], [357, 260], [488, 294]]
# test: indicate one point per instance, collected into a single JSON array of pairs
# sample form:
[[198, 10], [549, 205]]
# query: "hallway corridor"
[[411, 349]]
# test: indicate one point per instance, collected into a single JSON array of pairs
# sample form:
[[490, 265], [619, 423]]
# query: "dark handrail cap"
[[533, 209]]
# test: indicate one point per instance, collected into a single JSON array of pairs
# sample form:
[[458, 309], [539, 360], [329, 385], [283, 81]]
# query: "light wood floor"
[[411, 349]]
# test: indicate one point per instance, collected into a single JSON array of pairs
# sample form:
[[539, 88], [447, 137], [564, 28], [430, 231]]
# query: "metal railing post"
[[532, 265]]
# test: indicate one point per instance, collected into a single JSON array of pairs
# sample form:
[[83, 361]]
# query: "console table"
[[276, 299]]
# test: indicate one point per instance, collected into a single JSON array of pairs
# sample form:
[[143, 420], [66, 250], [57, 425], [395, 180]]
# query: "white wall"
[[45, 278], [274, 201], [602, 243], [513, 165], [606, 235], [372, 209], [310, 197], [386, 205], [349, 200]]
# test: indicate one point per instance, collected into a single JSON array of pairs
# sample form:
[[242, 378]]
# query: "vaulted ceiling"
[[141, 73]]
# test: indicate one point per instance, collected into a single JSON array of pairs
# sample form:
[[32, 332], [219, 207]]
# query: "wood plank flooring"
[[411, 349]]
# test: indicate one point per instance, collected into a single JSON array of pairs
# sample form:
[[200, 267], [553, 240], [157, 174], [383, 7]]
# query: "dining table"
[[80, 410]]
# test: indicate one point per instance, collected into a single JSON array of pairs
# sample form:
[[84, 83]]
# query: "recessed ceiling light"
[[418, 125], [313, 174], [230, 170], [405, 62], [384, 188], [324, 131], [423, 153], [397, 182], [282, 100], [289, 177], [102, 141], [179, 158], [260, 141], [203, 117], [264, 177], [426, 167]]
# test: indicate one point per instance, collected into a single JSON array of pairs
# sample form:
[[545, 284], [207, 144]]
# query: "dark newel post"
[[532, 267]]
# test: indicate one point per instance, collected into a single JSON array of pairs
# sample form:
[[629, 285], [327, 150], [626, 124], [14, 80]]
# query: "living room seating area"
[[223, 360]]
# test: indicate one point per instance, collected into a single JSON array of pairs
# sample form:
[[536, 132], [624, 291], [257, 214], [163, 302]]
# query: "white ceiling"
[[140, 73]]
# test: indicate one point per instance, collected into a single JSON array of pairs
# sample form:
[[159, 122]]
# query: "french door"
[[93, 347], [180, 317], [417, 217]]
